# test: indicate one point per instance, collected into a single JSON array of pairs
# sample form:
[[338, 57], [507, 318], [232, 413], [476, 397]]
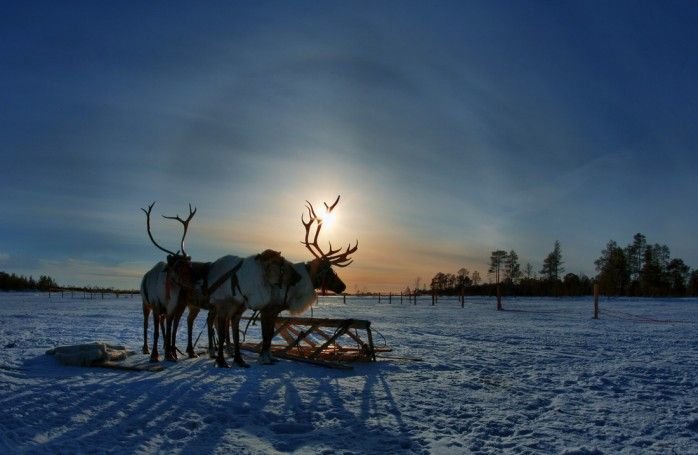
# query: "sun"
[[328, 218]]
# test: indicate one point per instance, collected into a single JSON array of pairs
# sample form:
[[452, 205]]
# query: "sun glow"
[[328, 218]]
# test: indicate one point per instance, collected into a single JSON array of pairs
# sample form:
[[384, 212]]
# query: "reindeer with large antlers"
[[163, 288], [314, 274]]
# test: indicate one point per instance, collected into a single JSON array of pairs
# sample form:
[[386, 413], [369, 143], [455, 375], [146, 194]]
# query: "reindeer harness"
[[185, 274]]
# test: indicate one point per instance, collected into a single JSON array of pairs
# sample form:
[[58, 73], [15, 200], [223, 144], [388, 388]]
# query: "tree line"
[[12, 282], [639, 269]]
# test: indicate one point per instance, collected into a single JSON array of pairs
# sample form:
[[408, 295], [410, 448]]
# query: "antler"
[[185, 223], [333, 256], [147, 223]]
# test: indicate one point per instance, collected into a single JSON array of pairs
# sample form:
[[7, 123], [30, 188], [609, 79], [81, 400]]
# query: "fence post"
[[344, 297], [596, 300], [499, 299], [390, 298], [379, 297]]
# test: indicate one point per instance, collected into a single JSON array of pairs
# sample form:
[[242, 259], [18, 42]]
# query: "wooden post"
[[596, 300], [499, 299], [462, 297], [415, 297], [344, 298], [400, 297], [379, 297], [433, 298], [390, 298]]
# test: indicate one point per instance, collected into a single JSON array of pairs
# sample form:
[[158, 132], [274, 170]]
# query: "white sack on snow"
[[89, 353]]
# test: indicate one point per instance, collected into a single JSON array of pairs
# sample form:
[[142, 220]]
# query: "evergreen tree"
[[463, 278], [653, 276], [512, 268], [438, 283], [635, 256], [693, 283], [678, 274], [552, 264], [613, 271], [497, 259]]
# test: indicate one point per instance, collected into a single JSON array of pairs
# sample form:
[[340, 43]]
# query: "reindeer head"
[[320, 269]]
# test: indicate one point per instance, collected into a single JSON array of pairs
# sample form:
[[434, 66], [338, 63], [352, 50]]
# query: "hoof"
[[154, 359], [146, 351], [192, 355], [241, 363], [222, 364], [171, 358], [265, 358]]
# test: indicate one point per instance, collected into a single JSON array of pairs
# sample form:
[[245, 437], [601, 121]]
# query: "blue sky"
[[450, 129]]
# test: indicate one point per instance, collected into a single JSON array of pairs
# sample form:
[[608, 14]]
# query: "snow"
[[540, 377]]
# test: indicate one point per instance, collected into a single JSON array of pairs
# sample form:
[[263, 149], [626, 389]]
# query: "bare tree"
[[476, 277]]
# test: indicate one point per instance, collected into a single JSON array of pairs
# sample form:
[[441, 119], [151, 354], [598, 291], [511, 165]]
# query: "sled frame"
[[322, 340]]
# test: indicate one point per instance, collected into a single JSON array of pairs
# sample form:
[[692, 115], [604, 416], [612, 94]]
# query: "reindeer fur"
[[258, 281], [164, 307]]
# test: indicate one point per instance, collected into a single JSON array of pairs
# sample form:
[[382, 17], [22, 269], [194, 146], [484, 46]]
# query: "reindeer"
[[164, 290], [147, 308], [236, 284], [314, 274]]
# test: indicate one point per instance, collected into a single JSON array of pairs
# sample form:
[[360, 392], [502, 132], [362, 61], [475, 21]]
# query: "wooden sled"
[[326, 342]]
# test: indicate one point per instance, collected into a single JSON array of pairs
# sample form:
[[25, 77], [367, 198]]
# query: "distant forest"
[[639, 269], [12, 282]]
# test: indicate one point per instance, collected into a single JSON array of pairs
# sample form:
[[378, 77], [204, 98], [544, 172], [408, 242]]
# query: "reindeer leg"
[[157, 321], [175, 327], [146, 315], [220, 359], [235, 326], [193, 312], [268, 319], [161, 321], [169, 347], [226, 336], [210, 320]]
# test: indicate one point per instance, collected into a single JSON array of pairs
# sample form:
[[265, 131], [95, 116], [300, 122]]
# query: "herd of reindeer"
[[266, 283]]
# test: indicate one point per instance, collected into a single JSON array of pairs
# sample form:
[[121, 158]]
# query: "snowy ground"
[[541, 377]]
